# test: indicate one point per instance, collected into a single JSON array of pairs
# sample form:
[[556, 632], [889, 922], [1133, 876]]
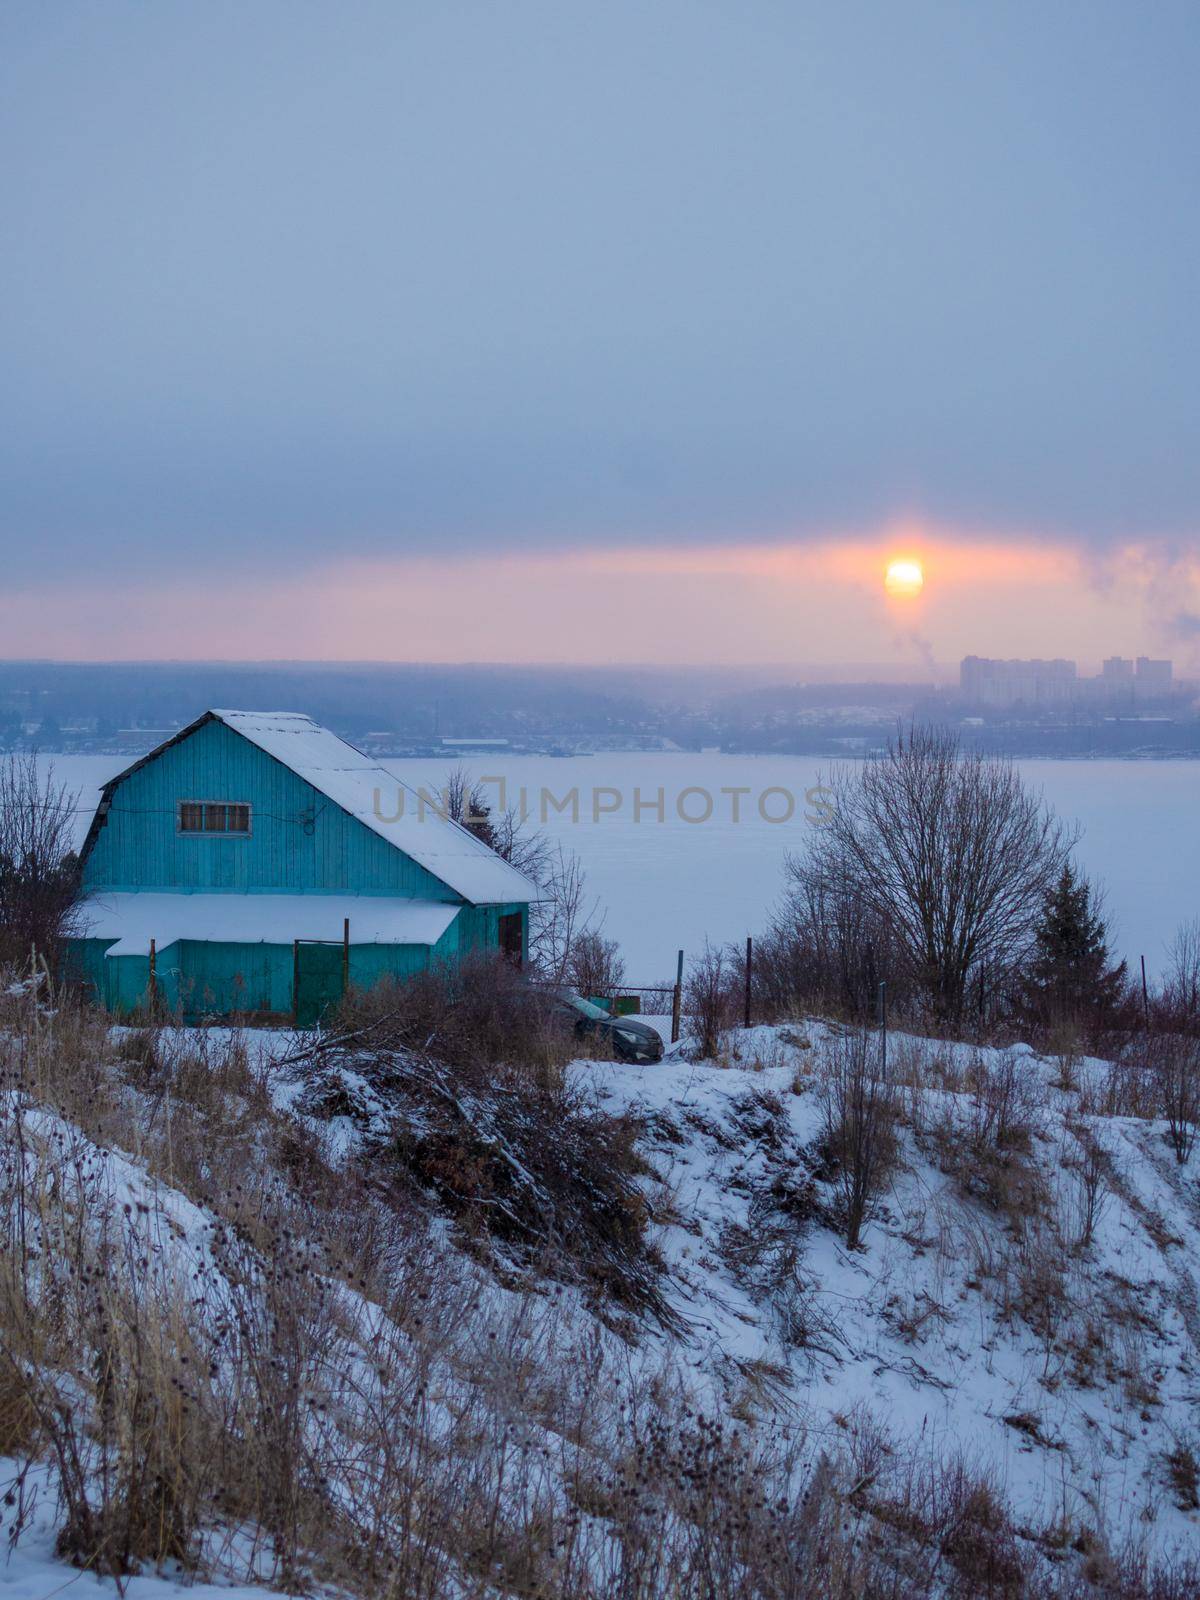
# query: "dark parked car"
[[626, 1037]]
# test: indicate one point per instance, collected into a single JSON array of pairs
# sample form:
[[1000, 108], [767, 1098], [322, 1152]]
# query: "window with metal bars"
[[214, 816]]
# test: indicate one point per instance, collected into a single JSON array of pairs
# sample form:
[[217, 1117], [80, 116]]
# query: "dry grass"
[[709, 1002], [859, 1142], [308, 1362], [987, 1149], [1183, 1475], [476, 1015]]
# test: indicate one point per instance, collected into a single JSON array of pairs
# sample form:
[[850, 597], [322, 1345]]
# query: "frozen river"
[[709, 861]]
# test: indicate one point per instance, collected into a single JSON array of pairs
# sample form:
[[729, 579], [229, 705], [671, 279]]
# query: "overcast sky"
[[287, 284]]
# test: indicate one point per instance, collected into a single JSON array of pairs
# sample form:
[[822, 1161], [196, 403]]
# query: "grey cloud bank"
[[289, 281]]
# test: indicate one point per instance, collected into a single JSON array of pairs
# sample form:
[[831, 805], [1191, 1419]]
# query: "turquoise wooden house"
[[256, 863]]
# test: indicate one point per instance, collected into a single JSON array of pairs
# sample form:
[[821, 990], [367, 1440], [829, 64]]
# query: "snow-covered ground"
[[31, 1570], [1052, 1346], [920, 1333]]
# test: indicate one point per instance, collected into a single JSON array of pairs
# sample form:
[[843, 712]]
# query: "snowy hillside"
[[239, 1350], [975, 1318]]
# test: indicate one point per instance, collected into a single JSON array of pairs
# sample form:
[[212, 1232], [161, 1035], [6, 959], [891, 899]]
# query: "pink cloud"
[[761, 603]]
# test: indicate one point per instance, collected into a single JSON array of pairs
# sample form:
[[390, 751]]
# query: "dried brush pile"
[[536, 1176]]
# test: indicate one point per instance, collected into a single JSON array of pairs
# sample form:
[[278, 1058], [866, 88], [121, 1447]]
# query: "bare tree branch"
[[39, 873]]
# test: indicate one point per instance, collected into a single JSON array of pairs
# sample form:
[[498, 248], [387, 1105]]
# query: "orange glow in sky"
[[785, 602]]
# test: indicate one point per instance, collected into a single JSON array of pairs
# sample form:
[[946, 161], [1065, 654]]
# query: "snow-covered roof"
[[387, 806], [134, 919]]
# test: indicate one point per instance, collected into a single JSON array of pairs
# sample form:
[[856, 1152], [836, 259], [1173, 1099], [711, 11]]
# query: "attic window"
[[214, 816]]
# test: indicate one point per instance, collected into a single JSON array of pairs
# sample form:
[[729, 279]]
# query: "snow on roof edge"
[[446, 849], [134, 917]]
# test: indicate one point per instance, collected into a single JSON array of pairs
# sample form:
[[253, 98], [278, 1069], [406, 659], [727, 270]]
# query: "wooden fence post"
[[1145, 996], [346, 955], [153, 975], [295, 983], [749, 973], [677, 1000], [883, 1028]]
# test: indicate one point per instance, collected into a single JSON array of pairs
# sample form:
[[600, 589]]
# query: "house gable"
[[300, 841], [361, 786]]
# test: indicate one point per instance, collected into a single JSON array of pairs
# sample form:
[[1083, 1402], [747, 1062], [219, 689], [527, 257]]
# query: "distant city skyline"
[[1042, 682]]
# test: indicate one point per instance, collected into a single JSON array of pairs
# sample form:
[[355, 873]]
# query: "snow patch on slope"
[[925, 1332]]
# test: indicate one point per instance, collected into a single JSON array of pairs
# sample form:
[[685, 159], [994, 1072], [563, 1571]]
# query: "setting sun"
[[904, 578]]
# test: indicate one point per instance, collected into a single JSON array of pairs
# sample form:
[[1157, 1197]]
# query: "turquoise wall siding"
[[478, 928], [127, 983], [299, 842], [221, 978], [119, 983], [84, 963], [371, 962], [197, 979]]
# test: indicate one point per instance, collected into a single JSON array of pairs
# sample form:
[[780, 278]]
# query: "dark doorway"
[[512, 942]]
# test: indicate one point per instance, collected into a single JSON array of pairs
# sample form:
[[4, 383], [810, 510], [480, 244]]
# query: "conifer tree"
[[1072, 978]]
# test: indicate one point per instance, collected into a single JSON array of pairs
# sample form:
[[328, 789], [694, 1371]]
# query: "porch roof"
[[133, 919]]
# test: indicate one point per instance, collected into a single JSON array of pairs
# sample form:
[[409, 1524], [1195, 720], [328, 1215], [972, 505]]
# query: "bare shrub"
[[1181, 985], [1183, 1475], [563, 917], [766, 1258], [1035, 1278], [1128, 1572], [861, 1113], [960, 1513], [565, 942], [39, 874], [1128, 1088], [696, 1510], [1093, 1172], [945, 1524], [280, 1310], [476, 1013], [1174, 1061], [827, 950], [594, 965], [18, 1417], [1007, 1103], [986, 1145], [1062, 1042], [709, 1001]]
